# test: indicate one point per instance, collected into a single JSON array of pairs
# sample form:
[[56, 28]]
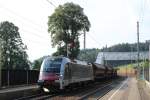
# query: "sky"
[[112, 22]]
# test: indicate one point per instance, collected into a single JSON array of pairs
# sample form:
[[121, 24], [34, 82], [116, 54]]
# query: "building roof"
[[120, 56]]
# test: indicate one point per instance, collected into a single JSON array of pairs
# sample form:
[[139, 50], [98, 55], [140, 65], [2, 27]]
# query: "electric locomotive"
[[57, 73]]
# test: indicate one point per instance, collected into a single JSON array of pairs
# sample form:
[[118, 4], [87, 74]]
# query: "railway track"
[[80, 93], [100, 92], [97, 92], [85, 93]]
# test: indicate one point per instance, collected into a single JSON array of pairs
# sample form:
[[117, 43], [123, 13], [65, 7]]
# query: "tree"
[[88, 55], [13, 54], [127, 47], [37, 63], [65, 26]]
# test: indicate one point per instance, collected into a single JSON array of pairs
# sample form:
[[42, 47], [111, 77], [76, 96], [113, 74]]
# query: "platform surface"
[[18, 88], [130, 89]]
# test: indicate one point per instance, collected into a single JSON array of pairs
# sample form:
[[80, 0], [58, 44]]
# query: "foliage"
[[13, 54], [146, 64], [142, 64], [88, 55], [37, 63], [126, 47], [65, 26]]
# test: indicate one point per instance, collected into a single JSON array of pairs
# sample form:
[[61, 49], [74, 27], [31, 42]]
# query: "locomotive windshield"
[[52, 65]]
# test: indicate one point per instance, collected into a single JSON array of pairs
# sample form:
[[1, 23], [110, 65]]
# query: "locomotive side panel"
[[67, 75], [76, 73], [80, 72]]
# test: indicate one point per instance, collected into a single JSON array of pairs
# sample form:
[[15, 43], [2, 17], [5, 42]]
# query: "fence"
[[18, 77]]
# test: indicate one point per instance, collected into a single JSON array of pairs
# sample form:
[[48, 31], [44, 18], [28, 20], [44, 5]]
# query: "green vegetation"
[[130, 69], [126, 47], [142, 64], [12, 49], [127, 66], [37, 63], [65, 26], [88, 55], [145, 63]]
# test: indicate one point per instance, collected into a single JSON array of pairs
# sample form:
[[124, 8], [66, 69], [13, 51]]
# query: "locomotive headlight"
[[46, 90], [61, 75]]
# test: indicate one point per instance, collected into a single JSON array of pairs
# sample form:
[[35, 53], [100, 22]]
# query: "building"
[[120, 58]]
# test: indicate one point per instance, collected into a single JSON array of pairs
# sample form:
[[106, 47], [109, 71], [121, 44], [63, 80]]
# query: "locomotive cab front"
[[50, 73]]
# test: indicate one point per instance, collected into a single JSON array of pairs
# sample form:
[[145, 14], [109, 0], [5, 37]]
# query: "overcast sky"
[[112, 22]]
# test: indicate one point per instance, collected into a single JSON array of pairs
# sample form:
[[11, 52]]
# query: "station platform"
[[130, 89], [17, 91]]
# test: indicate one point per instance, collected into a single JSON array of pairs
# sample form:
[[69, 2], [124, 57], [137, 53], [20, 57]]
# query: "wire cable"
[[51, 3], [26, 31], [24, 18], [142, 11], [94, 39]]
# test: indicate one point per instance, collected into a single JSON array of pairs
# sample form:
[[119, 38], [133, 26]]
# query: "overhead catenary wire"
[[94, 39], [22, 17], [36, 29], [31, 28], [142, 10], [141, 13], [41, 44], [143, 7], [34, 34], [25, 19], [32, 40], [26, 30], [51, 3]]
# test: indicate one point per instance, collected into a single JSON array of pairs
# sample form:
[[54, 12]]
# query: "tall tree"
[[13, 54], [66, 24]]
